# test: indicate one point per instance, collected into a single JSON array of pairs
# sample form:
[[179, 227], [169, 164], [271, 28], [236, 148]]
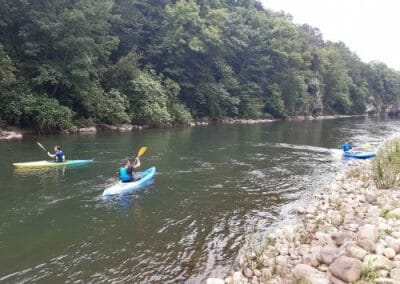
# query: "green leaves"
[[162, 62]]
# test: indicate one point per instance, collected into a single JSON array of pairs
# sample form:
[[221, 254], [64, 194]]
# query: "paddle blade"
[[366, 145], [141, 151], [41, 146]]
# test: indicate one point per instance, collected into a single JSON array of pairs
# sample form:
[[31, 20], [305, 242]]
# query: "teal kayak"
[[130, 187], [46, 164], [359, 155]]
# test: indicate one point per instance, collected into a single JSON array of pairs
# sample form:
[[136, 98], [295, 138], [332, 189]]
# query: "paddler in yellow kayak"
[[58, 155]]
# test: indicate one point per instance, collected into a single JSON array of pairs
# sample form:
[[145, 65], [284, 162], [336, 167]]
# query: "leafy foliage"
[[164, 62]]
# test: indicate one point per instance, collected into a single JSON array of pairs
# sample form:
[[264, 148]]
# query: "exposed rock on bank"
[[350, 234], [10, 135]]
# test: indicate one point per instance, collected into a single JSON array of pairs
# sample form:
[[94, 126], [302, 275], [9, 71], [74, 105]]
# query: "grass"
[[368, 273], [386, 165]]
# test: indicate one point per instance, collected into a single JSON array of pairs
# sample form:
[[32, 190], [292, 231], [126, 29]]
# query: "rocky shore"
[[349, 234]]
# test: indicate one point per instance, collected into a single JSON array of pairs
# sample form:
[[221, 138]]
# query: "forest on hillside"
[[166, 62]]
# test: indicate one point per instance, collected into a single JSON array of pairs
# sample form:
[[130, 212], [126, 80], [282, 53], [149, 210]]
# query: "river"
[[217, 187]]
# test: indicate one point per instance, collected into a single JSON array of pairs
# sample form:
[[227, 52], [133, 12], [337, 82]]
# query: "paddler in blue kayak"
[[58, 155], [126, 171], [347, 146]]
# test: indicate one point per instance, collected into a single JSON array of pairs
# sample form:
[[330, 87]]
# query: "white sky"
[[371, 28]]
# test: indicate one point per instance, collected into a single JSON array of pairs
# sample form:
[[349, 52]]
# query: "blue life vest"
[[124, 176], [346, 147], [59, 156]]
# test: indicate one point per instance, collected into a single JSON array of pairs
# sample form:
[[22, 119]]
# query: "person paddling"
[[58, 155], [126, 171], [347, 146]]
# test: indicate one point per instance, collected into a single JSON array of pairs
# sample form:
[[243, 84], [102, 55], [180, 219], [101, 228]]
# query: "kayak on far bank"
[[43, 164]]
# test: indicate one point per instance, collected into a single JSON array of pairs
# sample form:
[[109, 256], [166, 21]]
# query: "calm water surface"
[[215, 187]]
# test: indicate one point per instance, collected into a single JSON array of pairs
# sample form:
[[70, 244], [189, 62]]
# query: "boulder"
[[87, 130], [346, 268], [384, 280], [303, 272], [10, 135], [368, 232], [328, 254], [215, 281], [395, 274], [368, 245], [340, 237], [356, 252], [389, 253]]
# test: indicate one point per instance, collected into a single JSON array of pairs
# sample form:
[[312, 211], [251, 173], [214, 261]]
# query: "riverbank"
[[349, 234], [14, 133]]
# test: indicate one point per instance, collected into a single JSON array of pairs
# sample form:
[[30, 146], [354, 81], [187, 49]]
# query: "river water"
[[216, 188]]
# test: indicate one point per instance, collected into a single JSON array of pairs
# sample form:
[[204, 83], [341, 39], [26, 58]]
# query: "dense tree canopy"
[[166, 62]]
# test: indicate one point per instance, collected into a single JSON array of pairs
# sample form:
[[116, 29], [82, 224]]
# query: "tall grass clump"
[[386, 165]]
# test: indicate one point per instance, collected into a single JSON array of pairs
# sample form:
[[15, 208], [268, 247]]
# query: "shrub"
[[44, 114], [386, 165]]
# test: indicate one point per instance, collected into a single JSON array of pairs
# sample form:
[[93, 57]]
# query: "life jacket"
[[346, 147], [124, 176], [60, 156]]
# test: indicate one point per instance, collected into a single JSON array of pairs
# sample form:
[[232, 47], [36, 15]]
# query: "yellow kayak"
[[42, 164]]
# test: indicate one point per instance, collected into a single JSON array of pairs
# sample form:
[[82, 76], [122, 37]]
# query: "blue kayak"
[[130, 187], [359, 155]]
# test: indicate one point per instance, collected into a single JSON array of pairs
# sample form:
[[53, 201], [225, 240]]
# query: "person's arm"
[[53, 156], [136, 164]]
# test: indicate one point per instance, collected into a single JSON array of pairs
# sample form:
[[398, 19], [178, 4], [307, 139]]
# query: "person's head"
[[125, 163], [57, 148]]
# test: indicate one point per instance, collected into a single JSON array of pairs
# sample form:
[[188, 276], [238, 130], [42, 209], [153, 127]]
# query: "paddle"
[[41, 146], [141, 151], [366, 145]]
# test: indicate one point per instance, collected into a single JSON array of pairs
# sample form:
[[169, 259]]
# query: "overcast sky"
[[371, 28]]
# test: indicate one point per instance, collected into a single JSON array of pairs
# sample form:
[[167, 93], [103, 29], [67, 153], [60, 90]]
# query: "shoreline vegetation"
[[350, 233], [15, 133], [163, 63]]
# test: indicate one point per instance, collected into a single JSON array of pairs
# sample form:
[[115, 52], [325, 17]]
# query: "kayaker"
[[126, 172], [58, 155], [347, 146]]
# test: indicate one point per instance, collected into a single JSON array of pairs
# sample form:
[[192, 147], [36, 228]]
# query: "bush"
[[180, 114], [44, 114], [386, 165]]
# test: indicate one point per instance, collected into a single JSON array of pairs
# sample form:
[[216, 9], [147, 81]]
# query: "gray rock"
[[377, 261], [324, 239], [215, 281], [395, 274], [371, 198], [328, 254], [356, 252], [10, 135], [307, 273], [340, 237], [368, 232], [247, 272], [394, 244], [389, 253], [301, 210], [87, 130], [368, 245], [334, 280], [257, 272], [346, 268], [384, 280]]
